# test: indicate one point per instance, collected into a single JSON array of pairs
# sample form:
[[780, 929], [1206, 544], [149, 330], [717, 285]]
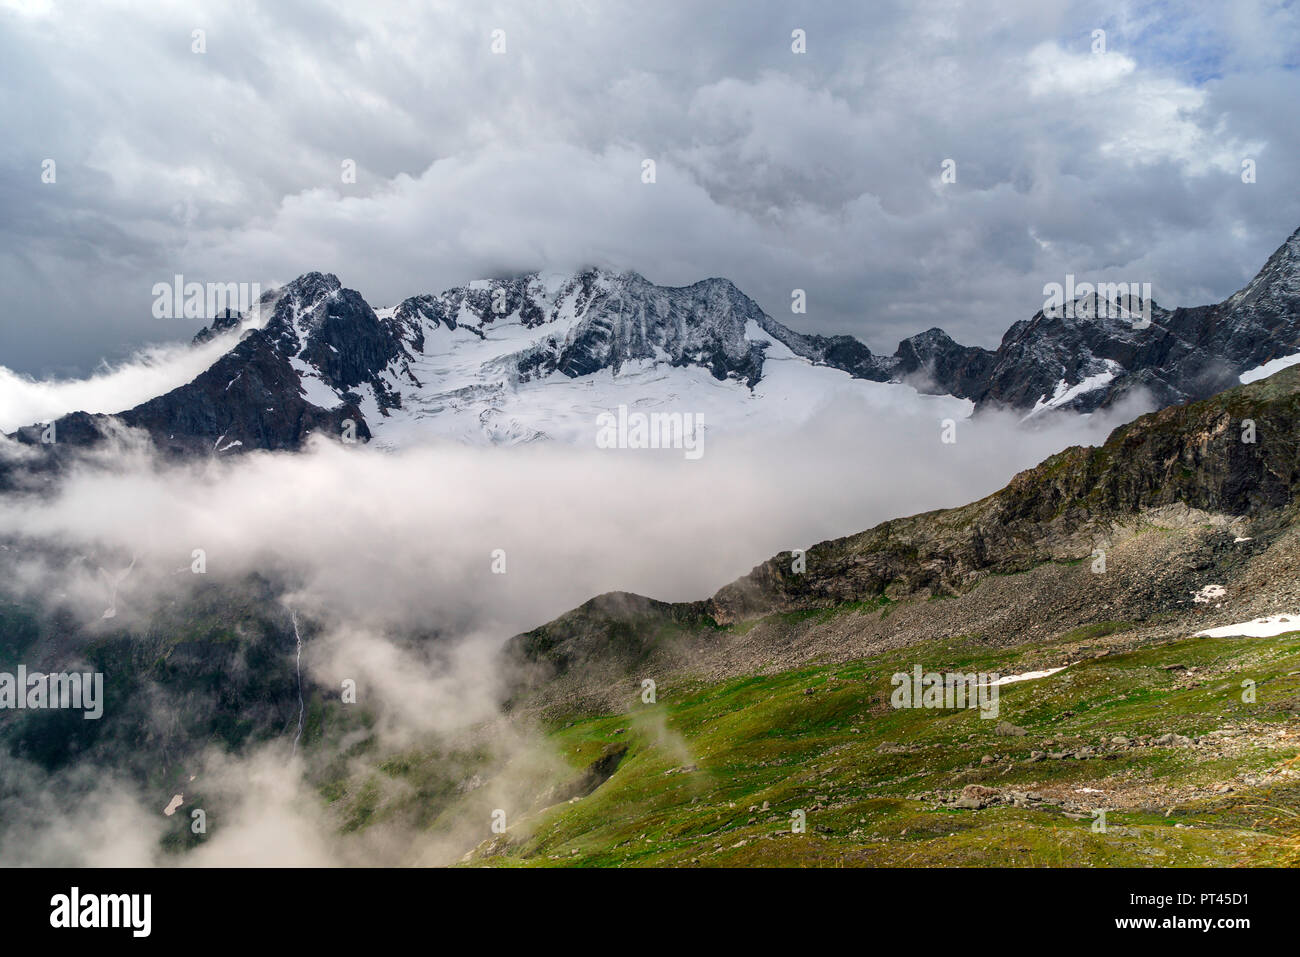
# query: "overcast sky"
[[778, 170]]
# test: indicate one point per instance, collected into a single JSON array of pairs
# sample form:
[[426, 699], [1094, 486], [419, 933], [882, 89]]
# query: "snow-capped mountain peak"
[[540, 355]]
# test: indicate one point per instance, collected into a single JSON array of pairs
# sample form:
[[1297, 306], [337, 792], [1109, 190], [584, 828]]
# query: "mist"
[[465, 545], [148, 373]]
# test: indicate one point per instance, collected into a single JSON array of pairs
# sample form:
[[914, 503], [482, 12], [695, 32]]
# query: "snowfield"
[[469, 392]]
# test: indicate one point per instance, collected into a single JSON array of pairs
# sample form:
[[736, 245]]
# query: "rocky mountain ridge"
[[316, 356], [1222, 473]]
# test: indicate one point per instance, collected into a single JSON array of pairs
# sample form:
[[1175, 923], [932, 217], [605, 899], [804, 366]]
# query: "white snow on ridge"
[[1065, 392], [1268, 368]]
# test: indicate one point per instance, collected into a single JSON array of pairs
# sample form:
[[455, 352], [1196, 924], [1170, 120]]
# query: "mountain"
[[1134, 606], [772, 698], [1189, 353], [1185, 469], [540, 356], [508, 361], [253, 395]]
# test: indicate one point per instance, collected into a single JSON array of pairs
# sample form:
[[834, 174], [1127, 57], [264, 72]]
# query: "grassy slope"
[[764, 739]]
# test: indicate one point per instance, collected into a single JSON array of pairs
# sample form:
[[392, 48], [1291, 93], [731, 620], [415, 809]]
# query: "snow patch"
[[1027, 676], [1268, 627], [1066, 393], [1268, 368], [1208, 594], [314, 389]]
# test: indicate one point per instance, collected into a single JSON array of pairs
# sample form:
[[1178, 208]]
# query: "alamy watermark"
[[1104, 300], [651, 430], [953, 690], [195, 300], [75, 909], [37, 691]]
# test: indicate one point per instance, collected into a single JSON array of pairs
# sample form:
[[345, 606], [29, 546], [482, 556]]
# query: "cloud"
[[1144, 119], [779, 170], [151, 372], [387, 560], [404, 539]]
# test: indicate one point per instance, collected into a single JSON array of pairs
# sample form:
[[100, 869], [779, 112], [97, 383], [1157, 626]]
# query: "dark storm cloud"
[[818, 171]]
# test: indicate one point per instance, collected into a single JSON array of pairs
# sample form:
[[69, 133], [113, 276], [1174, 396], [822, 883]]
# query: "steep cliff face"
[[625, 318], [1084, 362], [596, 320], [218, 663], [259, 395], [1237, 453], [933, 362]]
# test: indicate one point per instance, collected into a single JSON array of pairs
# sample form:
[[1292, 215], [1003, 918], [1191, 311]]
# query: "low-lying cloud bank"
[[412, 537]]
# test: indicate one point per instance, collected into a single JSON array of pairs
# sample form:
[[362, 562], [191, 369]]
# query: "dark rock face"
[[929, 361], [1037, 354], [228, 404], [620, 318], [227, 321], [625, 318], [334, 330], [1186, 354], [935, 364], [252, 397]]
